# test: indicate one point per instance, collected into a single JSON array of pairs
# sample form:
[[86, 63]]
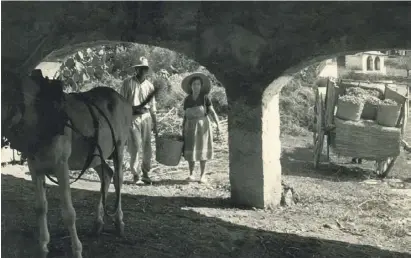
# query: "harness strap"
[[90, 155], [93, 141]]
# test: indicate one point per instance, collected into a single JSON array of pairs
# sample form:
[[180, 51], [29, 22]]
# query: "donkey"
[[58, 132]]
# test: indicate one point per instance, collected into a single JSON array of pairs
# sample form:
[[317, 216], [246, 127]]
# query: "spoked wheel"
[[384, 167], [319, 135], [315, 117]]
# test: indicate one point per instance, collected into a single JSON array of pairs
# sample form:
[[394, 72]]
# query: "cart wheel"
[[406, 146], [385, 166], [314, 138], [315, 118], [320, 132], [328, 146]]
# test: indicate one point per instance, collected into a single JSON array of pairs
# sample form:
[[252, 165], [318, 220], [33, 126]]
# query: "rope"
[[94, 144]]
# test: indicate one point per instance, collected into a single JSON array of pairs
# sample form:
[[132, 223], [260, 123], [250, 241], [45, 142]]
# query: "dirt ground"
[[343, 212]]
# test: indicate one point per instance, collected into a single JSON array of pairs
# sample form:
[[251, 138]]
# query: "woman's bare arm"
[[214, 115]]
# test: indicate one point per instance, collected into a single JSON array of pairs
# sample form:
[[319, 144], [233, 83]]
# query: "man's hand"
[[154, 121]]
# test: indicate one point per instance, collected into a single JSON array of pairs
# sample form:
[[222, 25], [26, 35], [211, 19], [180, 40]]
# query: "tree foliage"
[[401, 62], [297, 101], [109, 65]]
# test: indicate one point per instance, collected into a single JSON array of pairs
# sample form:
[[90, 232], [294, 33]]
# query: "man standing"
[[136, 89]]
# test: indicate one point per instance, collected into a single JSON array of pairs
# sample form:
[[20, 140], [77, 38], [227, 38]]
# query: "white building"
[[370, 62]]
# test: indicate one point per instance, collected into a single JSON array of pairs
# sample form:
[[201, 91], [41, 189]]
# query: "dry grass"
[[392, 75], [341, 214], [296, 108]]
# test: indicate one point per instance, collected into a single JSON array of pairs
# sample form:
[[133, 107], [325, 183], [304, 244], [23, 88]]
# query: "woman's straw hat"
[[206, 84]]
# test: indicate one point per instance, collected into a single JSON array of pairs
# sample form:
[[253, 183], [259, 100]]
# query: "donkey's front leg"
[[118, 183], [41, 210], [67, 209]]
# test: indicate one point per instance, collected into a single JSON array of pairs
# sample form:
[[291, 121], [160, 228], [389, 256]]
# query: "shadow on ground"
[[299, 162], [164, 182], [155, 227]]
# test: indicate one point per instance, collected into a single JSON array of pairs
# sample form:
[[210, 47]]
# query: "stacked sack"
[[368, 104]]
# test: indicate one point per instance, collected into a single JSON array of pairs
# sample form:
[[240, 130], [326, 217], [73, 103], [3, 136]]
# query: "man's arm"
[[153, 112]]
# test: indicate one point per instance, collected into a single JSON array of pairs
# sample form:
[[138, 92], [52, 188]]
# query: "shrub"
[[402, 62], [373, 77], [169, 94], [297, 101], [219, 99], [108, 65]]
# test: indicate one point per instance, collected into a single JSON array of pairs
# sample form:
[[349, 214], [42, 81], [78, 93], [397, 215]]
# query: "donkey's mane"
[[50, 108]]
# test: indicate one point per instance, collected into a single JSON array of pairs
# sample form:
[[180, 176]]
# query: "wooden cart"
[[324, 127]]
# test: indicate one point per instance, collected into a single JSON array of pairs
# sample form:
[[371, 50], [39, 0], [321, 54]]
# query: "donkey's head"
[[26, 103], [16, 98]]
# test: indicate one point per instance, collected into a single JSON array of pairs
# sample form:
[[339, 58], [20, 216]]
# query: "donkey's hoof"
[[98, 227], [43, 251], [77, 255]]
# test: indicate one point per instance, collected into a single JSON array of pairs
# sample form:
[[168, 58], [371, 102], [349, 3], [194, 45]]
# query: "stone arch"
[[370, 63], [377, 64], [244, 56]]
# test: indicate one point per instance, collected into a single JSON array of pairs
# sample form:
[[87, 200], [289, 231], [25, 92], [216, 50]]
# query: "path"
[[339, 215]]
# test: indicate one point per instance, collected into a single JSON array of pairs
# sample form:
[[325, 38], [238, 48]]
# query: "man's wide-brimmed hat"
[[142, 62], [206, 84]]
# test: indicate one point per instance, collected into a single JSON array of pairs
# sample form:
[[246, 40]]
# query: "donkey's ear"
[[37, 73]]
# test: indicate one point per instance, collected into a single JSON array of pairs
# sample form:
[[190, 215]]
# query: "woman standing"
[[197, 130]]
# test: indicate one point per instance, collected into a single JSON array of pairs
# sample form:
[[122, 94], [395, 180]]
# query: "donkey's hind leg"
[[41, 210], [105, 171], [118, 183]]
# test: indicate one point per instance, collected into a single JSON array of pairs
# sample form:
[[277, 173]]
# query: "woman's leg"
[[202, 167], [191, 165]]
